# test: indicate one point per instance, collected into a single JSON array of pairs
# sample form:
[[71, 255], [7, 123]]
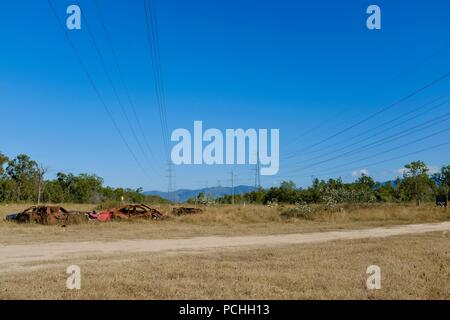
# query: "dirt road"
[[15, 255]]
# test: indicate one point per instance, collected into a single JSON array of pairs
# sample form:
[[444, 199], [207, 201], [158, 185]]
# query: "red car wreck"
[[127, 212]]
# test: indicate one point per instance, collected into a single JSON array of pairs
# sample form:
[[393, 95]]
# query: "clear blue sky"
[[253, 64]]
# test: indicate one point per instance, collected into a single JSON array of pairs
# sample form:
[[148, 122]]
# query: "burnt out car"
[[184, 211], [11, 217], [128, 212], [47, 215]]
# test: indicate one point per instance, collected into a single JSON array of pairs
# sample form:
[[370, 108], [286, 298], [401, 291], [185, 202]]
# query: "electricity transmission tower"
[[171, 182], [232, 187], [257, 173]]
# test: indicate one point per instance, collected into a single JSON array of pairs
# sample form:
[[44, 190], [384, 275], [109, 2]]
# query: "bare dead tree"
[[42, 170]]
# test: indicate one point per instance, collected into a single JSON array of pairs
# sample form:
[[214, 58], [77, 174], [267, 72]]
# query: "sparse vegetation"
[[289, 272], [222, 220], [21, 180], [416, 185]]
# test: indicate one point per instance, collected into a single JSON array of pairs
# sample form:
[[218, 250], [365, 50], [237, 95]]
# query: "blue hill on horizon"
[[182, 195]]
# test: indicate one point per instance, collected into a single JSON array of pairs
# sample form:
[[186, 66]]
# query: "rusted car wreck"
[[128, 212], [46, 215], [184, 210], [50, 215]]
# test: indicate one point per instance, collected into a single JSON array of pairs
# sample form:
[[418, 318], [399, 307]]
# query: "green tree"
[[365, 182], [442, 180], [256, 196], [24, 172], [3, 160], [288, 186], [66, 183], [53, 192], [386, 192], [416, 181], [286, 193], [314, 193], [87, 188]]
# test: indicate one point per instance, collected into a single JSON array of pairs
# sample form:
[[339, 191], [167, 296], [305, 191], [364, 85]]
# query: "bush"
[[108, 205], [300, 211], [76, 219], [332, 197], [309, 212]]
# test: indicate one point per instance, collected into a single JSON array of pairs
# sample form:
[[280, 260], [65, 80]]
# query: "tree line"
[[23, 180], [415, 185]]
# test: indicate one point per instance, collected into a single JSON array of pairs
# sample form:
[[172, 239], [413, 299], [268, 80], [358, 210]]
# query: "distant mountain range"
[[183, 195]]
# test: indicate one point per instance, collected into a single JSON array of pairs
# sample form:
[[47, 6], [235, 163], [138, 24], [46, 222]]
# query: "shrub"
[[300, 211]]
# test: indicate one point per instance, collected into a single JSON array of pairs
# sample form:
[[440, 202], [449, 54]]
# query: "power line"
[[408, 154], [326, 148], [401, 74], [311, 130], [377, 133], [127, 91], [388, 107], [390, 138], [116, 93], [97, 92], [394, 148], [155, 34], [367, 165], [153, 42]]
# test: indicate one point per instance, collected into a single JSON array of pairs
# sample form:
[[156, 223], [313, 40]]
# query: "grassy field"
[[412, 267], [221, 220]]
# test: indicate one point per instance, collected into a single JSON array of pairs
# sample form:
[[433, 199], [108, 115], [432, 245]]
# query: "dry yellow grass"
[[412, 267], [415, 266], [221, 220]]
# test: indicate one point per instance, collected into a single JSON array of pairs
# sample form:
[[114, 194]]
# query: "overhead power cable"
[[406, 132], [377, 133], [96, 90], [382, 110], [403, 145], [115, 91], [368, 165], [437, 52], [358, 135], [153, 42], [127, 91]]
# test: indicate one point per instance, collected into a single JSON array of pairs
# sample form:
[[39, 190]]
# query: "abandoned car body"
[[50, 215], [183, 210], [11, 217], [44, 215], [126, 212]]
